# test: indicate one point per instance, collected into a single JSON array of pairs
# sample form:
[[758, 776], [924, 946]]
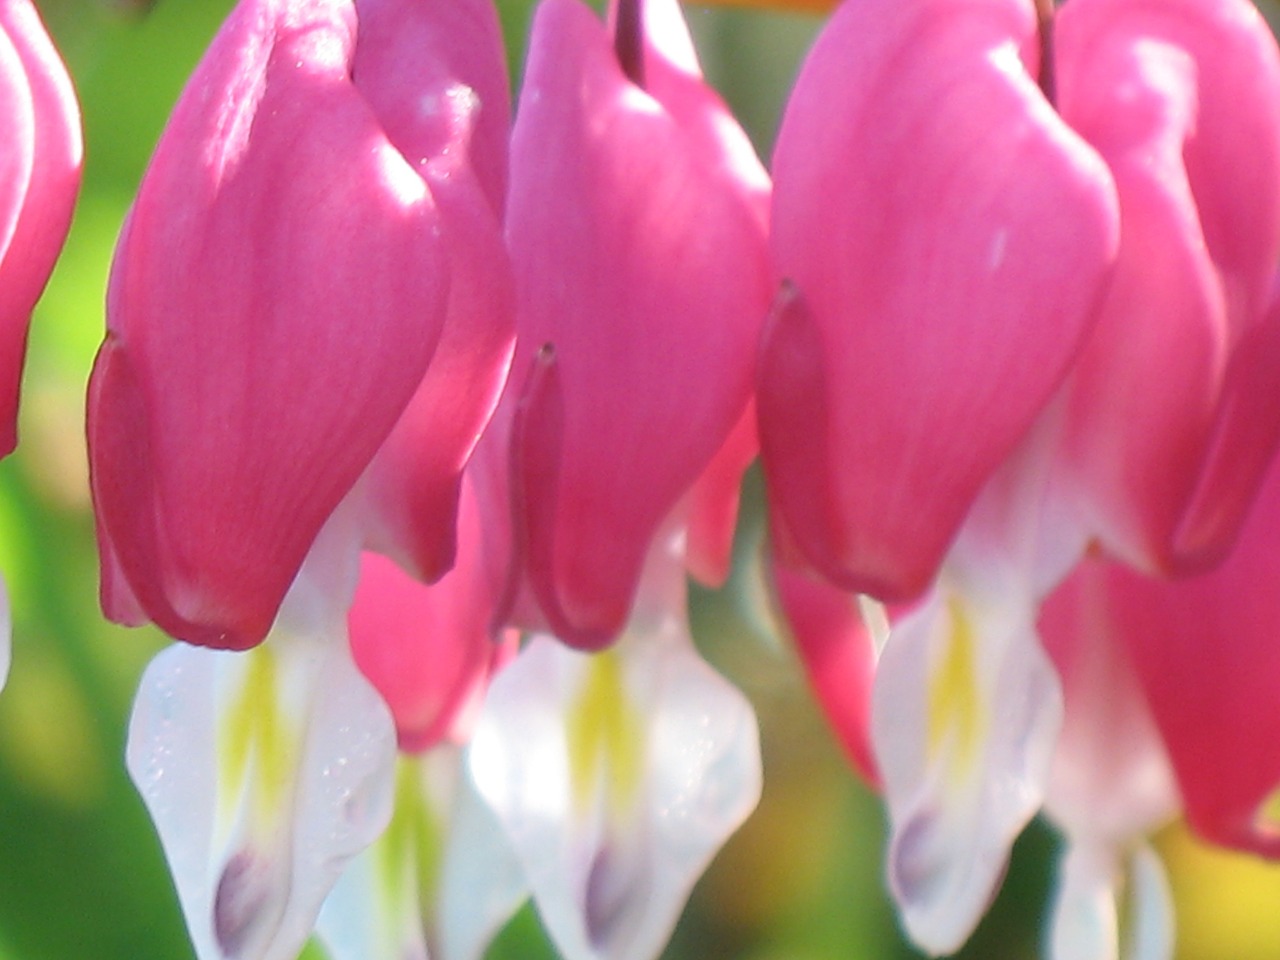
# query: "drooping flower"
[[944, 239], [436, 76], [442, 878], [1204, 655], [966, 707], [874, 468], [618, 774], [266, 331], [636, 226], [311, 237], [265, 771], [1172, 413]]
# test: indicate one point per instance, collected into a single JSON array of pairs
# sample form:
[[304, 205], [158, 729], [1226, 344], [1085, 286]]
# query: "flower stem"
[[1048, 77], [628, 40]]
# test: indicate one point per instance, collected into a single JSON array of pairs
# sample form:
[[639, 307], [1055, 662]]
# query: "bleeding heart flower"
[[278, 292], [945, 238], [1172, 412], [636, 226]]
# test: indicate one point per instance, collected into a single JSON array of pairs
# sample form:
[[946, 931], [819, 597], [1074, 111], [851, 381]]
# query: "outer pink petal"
[[435, 73], [1170, 411], [17, 152], [274, 301], [713, 504], [949, 238], [429, 650], [48, 144], [639, 255], [1205, 652], [416, 475], [838, 655], [1111, 781]]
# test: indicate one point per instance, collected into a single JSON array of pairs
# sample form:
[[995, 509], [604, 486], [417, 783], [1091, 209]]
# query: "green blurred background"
[[81, 873]]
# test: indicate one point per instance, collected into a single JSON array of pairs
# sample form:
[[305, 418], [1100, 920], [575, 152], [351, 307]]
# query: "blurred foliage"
[[81, 873]]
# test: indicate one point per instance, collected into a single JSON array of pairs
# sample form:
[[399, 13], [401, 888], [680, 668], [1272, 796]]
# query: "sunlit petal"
[[1111, 906], [965, 710], [264, 773], [439, 882], [617, 776]]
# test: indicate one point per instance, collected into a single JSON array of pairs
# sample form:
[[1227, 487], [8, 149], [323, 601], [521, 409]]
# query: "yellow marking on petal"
[[411, 851], [605, 736], [257, 747], [957, 719]]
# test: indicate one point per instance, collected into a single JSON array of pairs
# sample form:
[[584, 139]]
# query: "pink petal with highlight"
[[639, 255], [256, 358], [1182, 99], [436, 76], [40, 160], [949, 237], [429, 650]]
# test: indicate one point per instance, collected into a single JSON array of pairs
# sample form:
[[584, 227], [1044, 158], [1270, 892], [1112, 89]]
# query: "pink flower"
[[636, 227], [959, 244], [448, 54], [1173, 411], [945, 238], [40, 159], [278, 292]]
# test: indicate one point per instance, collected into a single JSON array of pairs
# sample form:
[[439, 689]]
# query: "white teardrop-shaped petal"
[[439, 883], [1111, 905], [617, 777], [1151, 902], [965, 710], [483, 881], [1085, 924], [264, 772]]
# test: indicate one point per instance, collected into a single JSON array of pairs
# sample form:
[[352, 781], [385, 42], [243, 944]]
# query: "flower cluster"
[[389, 379], [1023, 373], [415, 412]]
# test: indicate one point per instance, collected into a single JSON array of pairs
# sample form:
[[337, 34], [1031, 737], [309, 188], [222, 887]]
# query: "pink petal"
[[838, 655], [1111, 781], [257, 355], [949, 238], [436, 76], [1205, 653], [1182, 99], [40, 161], [429, 650], [713, 504], [639, 255], [422, 66]]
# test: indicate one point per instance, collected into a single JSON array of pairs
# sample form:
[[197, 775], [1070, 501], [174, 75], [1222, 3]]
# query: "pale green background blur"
[[81, 875]]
